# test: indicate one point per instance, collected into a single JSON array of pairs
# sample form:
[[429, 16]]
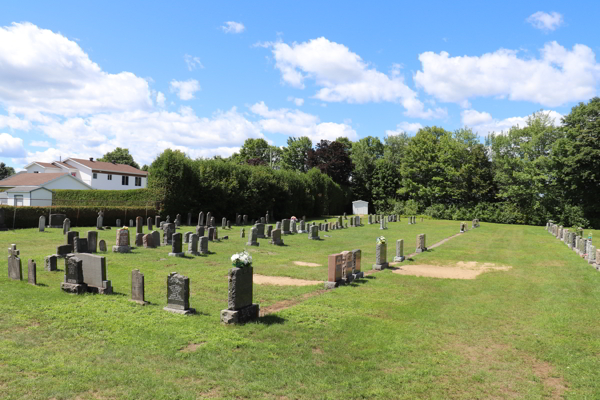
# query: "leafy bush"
[[114, 198]]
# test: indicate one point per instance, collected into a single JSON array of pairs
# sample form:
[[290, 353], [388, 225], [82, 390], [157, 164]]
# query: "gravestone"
[[186, 237], [421, 243], [357, 221], [102, 245], [314, 233], [208, 218], [80, 245], [149, 224], [118, 223], [399, 250], [260, 230], [157, 221], [73, 276], [278, 225], [178, 294], [15, 271], [347, 265], [245, 219], [381, 257], [93, 269], [71, 235], [213, 222], [122, 241], [189, 219], [201, 219], [177, 220], [356, 261], [92, 241], [334, 270], [211, 233], [223, 223], [64, 249], [50, 263], [591, 254], [269, 230], [285, 227], [56, 220], [228, 224], [168, 220], [351, 221], [66, 226], [148, 241], [326, 227], [137, 287], [176, 246], [253, 237], [139, 239], [200, 231], [42, 223], [139, 225], [100, 220], [293, 227], [370, 219], [262, 220], [238, 219], [203, 244], [276, 237], [131, 223], [155, 238], [302, 227], [240, 308], [193, 245], [243, 233], [168, 230], [382, 224], [267, 218], [345, 216]]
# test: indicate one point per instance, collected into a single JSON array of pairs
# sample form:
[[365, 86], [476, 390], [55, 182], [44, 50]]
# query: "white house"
[[360, 207], [27, 196], [36, 189], [97, 174]]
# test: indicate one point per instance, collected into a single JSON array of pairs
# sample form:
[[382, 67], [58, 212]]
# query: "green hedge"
[[113, 198], [28, 217]]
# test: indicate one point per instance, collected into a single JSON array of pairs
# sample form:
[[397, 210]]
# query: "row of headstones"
[[576, 242], [285, 227], [381, 251], [380, 219]]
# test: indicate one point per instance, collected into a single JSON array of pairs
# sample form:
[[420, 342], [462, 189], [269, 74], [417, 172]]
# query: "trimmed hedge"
[[28, 217], [113, 198]]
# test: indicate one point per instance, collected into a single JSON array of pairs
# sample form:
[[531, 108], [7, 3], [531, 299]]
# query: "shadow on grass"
[[41, 284], [358, 282], [370, 277], [270, 319]]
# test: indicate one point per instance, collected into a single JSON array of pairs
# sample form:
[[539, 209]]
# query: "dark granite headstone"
[[80, 245], [102, 245], [92, 241], [64, 249], [50, 262], [70, 236], [73, 276], [178, 294]]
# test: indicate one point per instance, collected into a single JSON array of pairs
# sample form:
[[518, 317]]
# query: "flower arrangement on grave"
[[125, 227], [241, 260], [294, 218], [381, 240]]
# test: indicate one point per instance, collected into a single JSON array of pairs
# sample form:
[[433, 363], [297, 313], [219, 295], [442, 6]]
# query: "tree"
[[120, 156], [260, 152], [365, 154], [331, 158], [295, 155], [6, 171]]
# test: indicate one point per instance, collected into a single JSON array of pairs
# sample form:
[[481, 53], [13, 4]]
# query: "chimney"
[[91, 158], [113, 161]]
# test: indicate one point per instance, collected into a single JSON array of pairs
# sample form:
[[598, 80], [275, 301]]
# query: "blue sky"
[[77, 80]]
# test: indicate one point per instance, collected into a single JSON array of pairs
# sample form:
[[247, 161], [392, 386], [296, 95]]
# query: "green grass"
[[530, 332]]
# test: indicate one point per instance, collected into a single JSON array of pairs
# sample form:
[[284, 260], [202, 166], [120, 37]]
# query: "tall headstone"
[[421, 243], [245, 219], [176, 246], [177, 220], [223, 223], [228, 224], [381, 257], [193, 245], [302, 227], [293, 227], [238, 219], [399, 250], [100, 220], [189, 219], [73, 276], [240, 308], [208, 218], [347, 265], [139, 225], [334, 270], [71, 235], [314, 233], [157, 221], [131, 223], [382, 224], [178, 294], [203, 244], [92, 241], [356, 261], [168, 230], [211, 233], [591, 258], [149, 224], [243, 233], [285, 227], [137, 287], [213, 222], [276, 237], [269, 231], [122, 242], [66, 226], [50, 263], [253, 237], [14, 263], [260, 230], [42, 223], [201, 219], [80, 245]]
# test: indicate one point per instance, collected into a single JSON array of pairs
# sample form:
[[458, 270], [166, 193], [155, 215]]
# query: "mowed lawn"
[[529, 332]]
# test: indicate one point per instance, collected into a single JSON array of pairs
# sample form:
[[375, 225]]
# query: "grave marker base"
[[358, 275], [192, 253], [177, 254], [140, 302], [420, 250], [399, 259], [240, 316], [189, 311], [121, 249], [380, 267], [77, 288]]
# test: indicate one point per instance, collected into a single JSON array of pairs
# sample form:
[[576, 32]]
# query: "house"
[[360, 207], [97, 174], [27, 196], [36, 189]]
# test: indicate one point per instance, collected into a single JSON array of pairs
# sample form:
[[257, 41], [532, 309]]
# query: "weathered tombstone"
[[100, 220], [193, 245], [56, 220], [356, 261], [200, 230], [148, 241], [102, 245], [63, 250], [260, 230], [189, 219], [238, 219], [223, 223], [178, 294], [213, 222], [137, 287], [211, 233], [157, 221], [269, 231], [186, 237], [94, 272], [168, 230], [73, 276], [149, 224], [399, 250], [278, 225], [245, 219], [122, 242], [243, 233], [421, 243], [201, 219], [118, 223], [240, 308], [203, 244], [92, 241], [208, 218], [155, 239], [253, 237], [334, 270], [262, 220], [139, 239], [14, 263], [314, 233], [42, 223], [80, 245], [50, 263], [70, 236], [66, 226], [347, 265], [592, 255], [131, 223], [381, 257], [176, 246], [285, 227], [276, 237], [177, 220]]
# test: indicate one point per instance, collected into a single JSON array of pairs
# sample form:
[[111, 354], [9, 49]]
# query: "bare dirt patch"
[[306, 264], [462, 270], [282, 305], [191, 347], [282, 281]]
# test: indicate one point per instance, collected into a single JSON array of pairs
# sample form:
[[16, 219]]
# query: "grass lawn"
[[529, 332]]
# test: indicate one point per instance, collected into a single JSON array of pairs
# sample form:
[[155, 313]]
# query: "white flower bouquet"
[[241, 260], [381, 240]]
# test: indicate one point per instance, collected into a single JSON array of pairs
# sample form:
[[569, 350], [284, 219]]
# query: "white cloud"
[[14, 122], [160, 99], [559, 76], [233, 27], [344, 76], [192, 62], [297, 101], [544, 21], [39, 143], [185, 89], [408, 127], [483, 123], [297, 123], [11, 146], [42, 71]]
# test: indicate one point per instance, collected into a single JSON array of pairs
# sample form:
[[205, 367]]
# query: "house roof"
[[26, 189], [109, 167], [53, 164], [28, 179]]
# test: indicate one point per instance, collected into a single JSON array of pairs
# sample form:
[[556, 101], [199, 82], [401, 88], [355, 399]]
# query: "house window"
[[18, 201], [74, 174], [125, 180], [95, 175], [138, 181], [109, 177], [36, 172]]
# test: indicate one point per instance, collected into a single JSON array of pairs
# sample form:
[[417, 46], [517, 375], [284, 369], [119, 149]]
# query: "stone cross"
[[14, 263], [137, 287]]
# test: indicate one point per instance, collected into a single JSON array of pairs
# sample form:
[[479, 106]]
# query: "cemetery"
[[409, 295]]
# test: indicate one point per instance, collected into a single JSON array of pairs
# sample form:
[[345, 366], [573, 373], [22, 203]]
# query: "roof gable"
[[108, 167]]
